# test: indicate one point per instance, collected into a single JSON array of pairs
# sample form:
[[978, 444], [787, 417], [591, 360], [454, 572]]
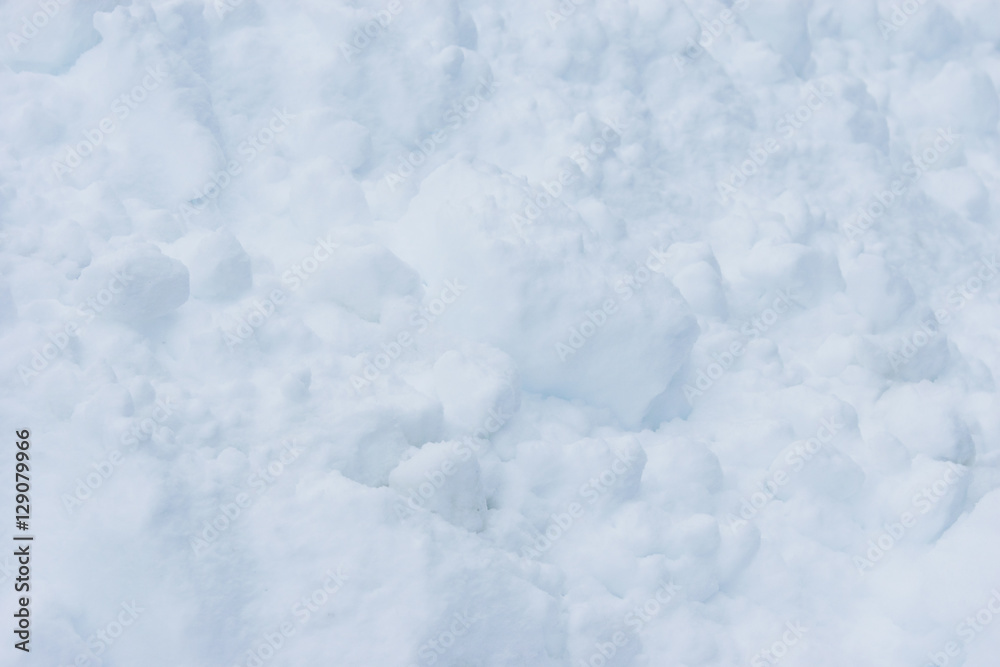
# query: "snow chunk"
[[134, 284], [444, 477], [220, 268]]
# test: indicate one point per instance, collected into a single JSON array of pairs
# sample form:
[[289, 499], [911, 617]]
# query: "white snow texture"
[[481, 333]]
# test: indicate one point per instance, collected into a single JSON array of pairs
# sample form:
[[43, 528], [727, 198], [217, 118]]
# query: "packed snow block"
[[878, 292], [134, 284], [612, 337], [701, 286], [806, 274], [361, 279], [924, 420], [220, 268], [369, 447], [478, 387], [622, 362], [443, 477], [375, 434]]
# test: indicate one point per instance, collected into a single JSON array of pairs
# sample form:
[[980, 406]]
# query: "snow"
[[573, 333]]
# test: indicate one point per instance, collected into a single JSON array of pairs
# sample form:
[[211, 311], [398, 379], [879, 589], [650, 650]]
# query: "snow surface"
[[450, 332]]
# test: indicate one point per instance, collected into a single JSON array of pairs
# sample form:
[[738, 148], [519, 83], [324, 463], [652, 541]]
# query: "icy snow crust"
[[482, 333]]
